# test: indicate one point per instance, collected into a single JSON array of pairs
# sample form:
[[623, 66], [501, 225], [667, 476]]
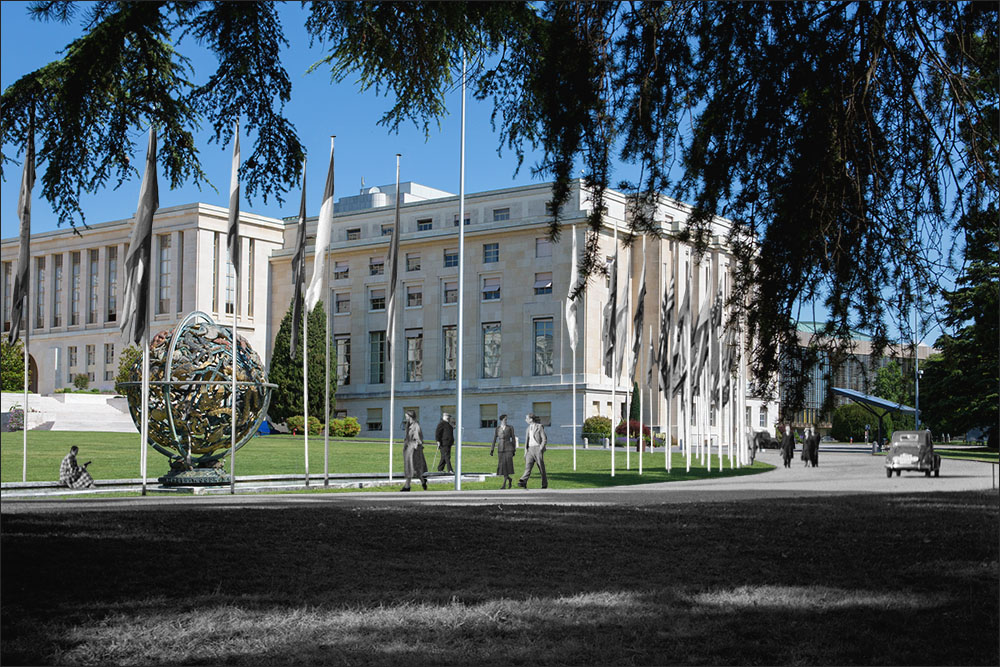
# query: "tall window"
[[450, 337], [450, 291], [543, 247], [376, 300], [71, 353], [543, 283], [491, 350], [374, 422], [39, 293], [215, 274], [414, 355], [376, 266], [543, 346], [413, 261], [376, 354], [424, 224], [57, 290], [163, 285], [414, 296], [543, 411], [112, 304], [501, 214], [109, 353], [341, 271], [91, 355], [230, 287], [250, 279], [491, 253], [491, 289], [342, 303], [450, 257], [763, 415], [74, 288], [344, 360], [92, 278], [488, 415]]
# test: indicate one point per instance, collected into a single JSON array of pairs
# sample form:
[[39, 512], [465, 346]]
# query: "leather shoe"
[[521, 483], [405, 488], [423, 483]]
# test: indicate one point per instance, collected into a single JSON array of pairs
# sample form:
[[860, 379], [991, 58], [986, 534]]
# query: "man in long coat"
[[812, 444], [414, 464], [787, 446], [73, 475]]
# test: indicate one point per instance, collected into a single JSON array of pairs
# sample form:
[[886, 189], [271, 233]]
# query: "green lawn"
[[973, 454], [116, 456]]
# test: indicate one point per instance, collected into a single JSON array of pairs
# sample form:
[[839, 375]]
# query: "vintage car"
[[912, 450]]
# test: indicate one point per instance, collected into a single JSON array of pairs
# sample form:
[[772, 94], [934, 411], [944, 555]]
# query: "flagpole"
[[25, 311], [668, 390], [305, 382], [573, 355], [642, 444], [459, 425], [391, 320], [329, 332], [613, 326], [232, 430], [688, 399], [234, 195], [628, 361]]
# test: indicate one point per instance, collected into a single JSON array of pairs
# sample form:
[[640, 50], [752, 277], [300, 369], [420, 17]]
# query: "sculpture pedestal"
[[196, 477]]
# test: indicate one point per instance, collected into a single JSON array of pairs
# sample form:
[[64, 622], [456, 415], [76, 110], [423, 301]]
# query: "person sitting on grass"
[[73, 475]]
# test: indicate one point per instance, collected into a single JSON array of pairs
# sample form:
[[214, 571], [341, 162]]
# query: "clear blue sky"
[[317, 109]]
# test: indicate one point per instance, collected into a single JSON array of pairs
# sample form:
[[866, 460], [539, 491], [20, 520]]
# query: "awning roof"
[[874, 401]]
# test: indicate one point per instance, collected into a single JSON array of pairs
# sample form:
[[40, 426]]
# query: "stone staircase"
[[71, 412]]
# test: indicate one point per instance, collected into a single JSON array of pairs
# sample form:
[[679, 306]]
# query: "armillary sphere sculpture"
[[190, 417]]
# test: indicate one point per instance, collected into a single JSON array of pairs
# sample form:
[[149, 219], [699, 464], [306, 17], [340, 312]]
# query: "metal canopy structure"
[[878, 407]]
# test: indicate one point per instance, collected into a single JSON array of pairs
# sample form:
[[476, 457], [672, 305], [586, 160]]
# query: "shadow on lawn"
[[812, 580]]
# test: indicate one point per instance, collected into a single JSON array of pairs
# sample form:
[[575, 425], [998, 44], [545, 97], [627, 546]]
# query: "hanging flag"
[[609, 327], [639, 313], [666, 330], [298, 268], [233, 239], [137, 260], [681, 346], [728, 356], [324, 227], [21, 277], [715, 338], [574, 277], [393, 260]]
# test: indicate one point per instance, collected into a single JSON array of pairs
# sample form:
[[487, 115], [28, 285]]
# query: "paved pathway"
[[839, 473]]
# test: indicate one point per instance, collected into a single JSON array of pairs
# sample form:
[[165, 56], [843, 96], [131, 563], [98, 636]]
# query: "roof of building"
[[874, 401], [817, 328]]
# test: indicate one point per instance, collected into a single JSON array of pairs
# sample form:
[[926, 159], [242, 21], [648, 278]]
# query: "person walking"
[[787, 446], [414, 463], [503, 440], [534, 451], [812, 444], [444, 434]]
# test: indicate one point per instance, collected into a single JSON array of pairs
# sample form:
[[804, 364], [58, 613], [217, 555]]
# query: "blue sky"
[[318, 109]]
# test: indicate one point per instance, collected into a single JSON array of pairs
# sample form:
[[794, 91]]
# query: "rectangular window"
[[92, 263], [450, 336], [491, 350], [543, 247], [491, 253], [488, 415], [424, 224], [543, 411], [376, 266], [354, 234], [341, 271], [374, 422], [71, 353], [57, 290], [74, 288], [343, 360], [91, 354], [763, 416], [376, 369], [215, 274], [109, 353], [386, 230], [468, 219], [450, 291], [543, 346], [163, 302], [249, 279], [342, 303], [90, 375], [501, 214], [543, 283], [109, 375], [414, 296], [112, 305], [414, 355], [450, 257], [413, 261], [39, 293], [376, 299], [491, 289]]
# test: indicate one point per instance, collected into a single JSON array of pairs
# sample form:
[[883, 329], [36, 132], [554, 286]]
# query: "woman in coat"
[[414, 464], [503, 439]]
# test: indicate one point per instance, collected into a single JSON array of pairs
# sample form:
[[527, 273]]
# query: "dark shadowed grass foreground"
[[853, 580]]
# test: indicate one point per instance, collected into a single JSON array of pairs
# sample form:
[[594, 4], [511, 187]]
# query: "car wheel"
[[888, 472]]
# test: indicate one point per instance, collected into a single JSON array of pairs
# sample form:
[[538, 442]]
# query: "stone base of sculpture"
[[195, 477]]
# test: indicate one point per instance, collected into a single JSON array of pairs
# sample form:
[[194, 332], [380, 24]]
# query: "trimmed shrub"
[[81, 381], [15, 421], [633, 428], [126, 359], [347, 427], [596, 428], [295, 422]]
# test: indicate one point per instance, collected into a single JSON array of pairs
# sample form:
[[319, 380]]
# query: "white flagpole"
[[393, 353], [236, 310], [628, 362], [329, 332], [144, 424], [573, 355], [688, 399], [459, 420], [305, 381], [667, 391], [25, 312], [642, 443], [613, 326]]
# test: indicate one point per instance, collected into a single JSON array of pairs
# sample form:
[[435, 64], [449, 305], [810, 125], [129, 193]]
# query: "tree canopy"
[[843, 140], [286, 371]]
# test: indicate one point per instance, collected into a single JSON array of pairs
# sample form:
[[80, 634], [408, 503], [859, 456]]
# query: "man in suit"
[[787, 446], [534, 451], [445, 436]]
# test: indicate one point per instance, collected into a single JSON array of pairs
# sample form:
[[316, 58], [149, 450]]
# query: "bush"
[[348, 427], [12, 365], [81, 381], [126, 360], [294, 424], [597, 428], [15, 420], [633, 428]]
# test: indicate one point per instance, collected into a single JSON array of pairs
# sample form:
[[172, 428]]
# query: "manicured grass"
[[880, 579], [116, 456], [972, 454]]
